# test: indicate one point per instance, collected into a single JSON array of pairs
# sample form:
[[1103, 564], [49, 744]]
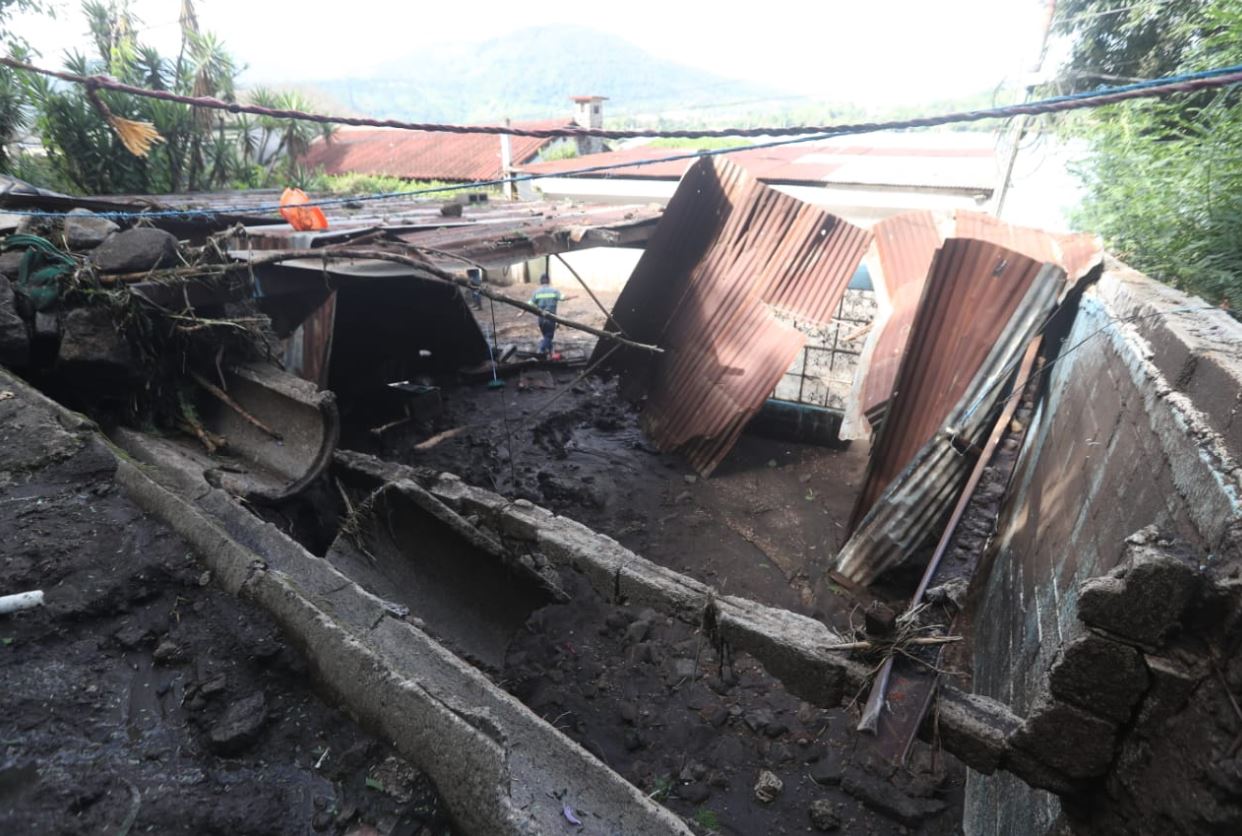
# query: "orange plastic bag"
[[302, 218]]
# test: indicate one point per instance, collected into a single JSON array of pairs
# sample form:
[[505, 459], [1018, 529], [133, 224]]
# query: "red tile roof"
[[420, 155]]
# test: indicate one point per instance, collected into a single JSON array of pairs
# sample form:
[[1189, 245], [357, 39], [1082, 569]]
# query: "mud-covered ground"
[[647, 694], [651, 698], [143, 699]]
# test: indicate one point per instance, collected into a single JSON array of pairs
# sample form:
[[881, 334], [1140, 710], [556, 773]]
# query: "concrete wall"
[[1141, 426]]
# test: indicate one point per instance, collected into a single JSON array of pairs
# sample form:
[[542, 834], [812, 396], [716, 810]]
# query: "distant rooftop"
[[959, 161], [416, 155]]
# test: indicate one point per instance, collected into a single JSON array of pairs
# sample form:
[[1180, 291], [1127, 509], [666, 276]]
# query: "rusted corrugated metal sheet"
[[904, 247], [727, 252], [981, 307], [903, 252], [1074, 253], [417, 155]]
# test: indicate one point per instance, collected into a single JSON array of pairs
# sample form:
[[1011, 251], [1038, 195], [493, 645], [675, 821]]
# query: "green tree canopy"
[[1164, 177]]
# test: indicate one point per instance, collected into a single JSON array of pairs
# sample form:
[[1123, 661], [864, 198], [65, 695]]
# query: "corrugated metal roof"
[[416, 155], [981, 307], [904, 247], [926, 165], [727, 252]]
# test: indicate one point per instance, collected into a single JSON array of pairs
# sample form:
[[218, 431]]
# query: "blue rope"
[[1050, 104]]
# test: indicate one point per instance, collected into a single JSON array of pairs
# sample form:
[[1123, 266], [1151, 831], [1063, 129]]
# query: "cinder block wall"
[[1142, 426]]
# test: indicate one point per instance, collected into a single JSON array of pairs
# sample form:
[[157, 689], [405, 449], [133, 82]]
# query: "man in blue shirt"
[[546, 299]]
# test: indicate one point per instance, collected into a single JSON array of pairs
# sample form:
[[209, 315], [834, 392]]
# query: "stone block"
[[1066, 738], [136, 250], [1173, 680], [1103, 676], [90, 336], [1142, 599], [14, 333]]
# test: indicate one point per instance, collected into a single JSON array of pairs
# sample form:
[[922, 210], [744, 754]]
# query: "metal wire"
[[1190, 82]]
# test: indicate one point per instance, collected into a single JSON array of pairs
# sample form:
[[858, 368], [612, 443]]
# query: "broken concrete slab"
[[135, 251], [794, 648], [405, 546], [492, 757], [975, 728], [255, 464]]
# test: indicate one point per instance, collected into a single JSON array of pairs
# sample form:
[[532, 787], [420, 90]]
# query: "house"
[[418, 155], [862, 179]]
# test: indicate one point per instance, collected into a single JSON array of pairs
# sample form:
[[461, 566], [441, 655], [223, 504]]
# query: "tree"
[[1125, 40], [1164, 177], [200, 148], [13, 114]]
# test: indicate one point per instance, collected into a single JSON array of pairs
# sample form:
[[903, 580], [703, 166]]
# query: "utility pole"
[[1002, 191]]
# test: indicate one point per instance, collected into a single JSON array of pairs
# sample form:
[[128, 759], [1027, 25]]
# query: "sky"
[[881, 51]]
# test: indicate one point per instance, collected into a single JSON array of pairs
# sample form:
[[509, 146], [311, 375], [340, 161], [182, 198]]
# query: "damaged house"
[[758, 549]]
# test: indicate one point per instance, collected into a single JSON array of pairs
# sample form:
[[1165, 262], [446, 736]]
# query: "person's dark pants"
[[547, 327]]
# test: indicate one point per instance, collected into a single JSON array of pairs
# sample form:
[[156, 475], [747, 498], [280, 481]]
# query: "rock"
[[775, 729], [637, 632], [90, 336], [84, 230], [715, 715], [136, 250], [213, 686], [633, 742], [717, 779], [827, 772], [616, 620], [397, 777], [167, 653], [131, 635], [683, 669], [885, 799], [1103, 676], [728, 751], [690, 478], [824, 816], [1142, 599], [759, 719], [695, 793], [768, 787], [628, 712], [14, 333], [10, 263], [240, 725]]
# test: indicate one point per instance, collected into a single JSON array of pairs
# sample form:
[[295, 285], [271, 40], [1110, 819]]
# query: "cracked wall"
[[1140, 427]]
